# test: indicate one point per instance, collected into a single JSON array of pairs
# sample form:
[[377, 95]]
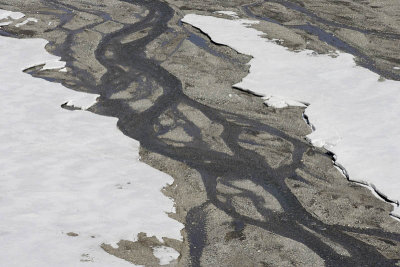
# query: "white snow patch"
[[54, 64], [279, 102], [228, 13], [5, 23], [83, 101], [26, 21], [68, 171], [355, 116], [165, 254], [4, 14]]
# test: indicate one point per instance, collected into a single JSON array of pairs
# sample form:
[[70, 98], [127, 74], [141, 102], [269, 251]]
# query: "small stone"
[[72, 234]]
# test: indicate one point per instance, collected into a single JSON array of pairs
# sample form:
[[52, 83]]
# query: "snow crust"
[[68, 172], [355, 116]]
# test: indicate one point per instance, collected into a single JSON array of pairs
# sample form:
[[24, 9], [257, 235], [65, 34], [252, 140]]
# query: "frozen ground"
[[354, 112], [70, 180]]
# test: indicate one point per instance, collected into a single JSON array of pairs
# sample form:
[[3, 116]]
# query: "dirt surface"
[[248, 187]]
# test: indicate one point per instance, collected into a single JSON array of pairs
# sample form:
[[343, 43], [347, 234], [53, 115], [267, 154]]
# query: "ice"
[[356, 116]]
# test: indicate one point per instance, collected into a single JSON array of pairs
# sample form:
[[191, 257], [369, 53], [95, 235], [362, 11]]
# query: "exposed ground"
[[248, 187]]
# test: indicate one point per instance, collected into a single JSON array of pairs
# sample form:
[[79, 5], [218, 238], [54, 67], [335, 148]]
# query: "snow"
[[355, 115], [68, 172], [83, 101], [165, 254], [4, 14], [5, 23], [54, 64], [26, 21], [228, 13]]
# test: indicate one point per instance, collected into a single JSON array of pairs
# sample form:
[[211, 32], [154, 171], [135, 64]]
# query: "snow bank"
[[65, 172], [356, 116]]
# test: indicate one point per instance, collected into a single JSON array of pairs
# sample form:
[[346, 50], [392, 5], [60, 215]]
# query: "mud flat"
[[250, 190]]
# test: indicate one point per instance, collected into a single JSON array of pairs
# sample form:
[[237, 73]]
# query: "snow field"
[[68, 172]]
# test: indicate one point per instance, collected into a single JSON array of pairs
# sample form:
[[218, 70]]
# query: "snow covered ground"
[[68, 172], [355, 115], [9, 16], [228, 13], [5, 14]]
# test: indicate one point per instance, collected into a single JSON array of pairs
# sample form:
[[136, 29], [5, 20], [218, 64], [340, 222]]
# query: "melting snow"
[[5, 23], [356, 116], [26, 21], [165, 254], [54, 64], [68, 172], [228, 13], [4, 14]]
